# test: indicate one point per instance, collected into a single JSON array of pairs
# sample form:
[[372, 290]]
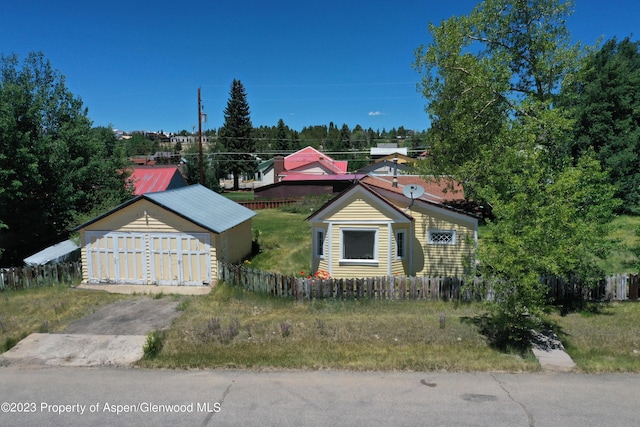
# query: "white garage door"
[[154, 258]]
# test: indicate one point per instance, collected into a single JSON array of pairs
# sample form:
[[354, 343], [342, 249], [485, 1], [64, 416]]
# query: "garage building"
[[174, 237]]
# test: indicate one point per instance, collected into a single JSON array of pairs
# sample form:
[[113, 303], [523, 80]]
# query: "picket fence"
[[39, 276], [619, 287]]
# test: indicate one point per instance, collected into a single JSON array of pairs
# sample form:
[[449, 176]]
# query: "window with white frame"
[[320, 243], [359, 245], [442, 237], [400, 244]]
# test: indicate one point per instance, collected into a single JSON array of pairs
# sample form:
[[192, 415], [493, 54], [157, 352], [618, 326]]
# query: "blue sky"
[[137, 65]]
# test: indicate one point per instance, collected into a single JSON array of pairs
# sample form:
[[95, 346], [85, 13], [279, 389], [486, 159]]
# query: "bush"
[[153, 345]]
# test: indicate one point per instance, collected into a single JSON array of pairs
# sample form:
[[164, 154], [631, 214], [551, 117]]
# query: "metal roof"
[[152, 179], [59, 250], [195, 203], [202, 206]]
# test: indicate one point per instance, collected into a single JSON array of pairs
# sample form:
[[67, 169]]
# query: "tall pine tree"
[[235, 136]]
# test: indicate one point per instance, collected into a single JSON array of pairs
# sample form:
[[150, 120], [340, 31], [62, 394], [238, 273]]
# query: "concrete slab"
[[554, 360], [113, 335], [75, 350], [147, 289]]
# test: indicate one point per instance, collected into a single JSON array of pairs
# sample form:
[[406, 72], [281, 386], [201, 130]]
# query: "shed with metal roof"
[[173, 237]]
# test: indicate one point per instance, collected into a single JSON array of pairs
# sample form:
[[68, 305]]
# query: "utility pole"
[[200, 137]]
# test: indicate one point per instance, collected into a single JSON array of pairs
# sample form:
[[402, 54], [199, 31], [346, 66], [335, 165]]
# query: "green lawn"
[[285, 242]]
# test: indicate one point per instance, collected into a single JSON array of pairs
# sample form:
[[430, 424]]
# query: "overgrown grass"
[[46, 309], [602, 337], [285, 242], [232, 328]]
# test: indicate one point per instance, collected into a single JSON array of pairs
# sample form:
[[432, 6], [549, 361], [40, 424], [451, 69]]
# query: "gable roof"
[[436, 193], [362, 189], [195, 203], [156, 178], [308, 156], [438, 190]]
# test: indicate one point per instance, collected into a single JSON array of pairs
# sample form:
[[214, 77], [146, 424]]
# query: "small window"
[[359, 245], [400, 244], [442, 237], [320, 243]]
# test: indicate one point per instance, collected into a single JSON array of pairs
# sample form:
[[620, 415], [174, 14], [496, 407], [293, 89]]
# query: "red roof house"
[[156, 178], [310, 161]]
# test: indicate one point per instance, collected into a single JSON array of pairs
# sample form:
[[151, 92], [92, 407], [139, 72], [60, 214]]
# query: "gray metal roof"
[[202, 206], [195, 203], [60, 250]]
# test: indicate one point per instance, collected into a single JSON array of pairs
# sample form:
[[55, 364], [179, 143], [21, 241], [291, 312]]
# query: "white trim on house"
[[375, 256]]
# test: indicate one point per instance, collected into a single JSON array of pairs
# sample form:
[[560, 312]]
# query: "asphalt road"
[[124, 396]]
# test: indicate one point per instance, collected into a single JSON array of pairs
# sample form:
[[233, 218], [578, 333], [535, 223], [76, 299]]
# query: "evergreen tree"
[[606, 101], [235, 136], [282, 138]]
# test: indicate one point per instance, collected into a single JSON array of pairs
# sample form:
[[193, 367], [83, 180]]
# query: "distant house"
[[303, 164], [386, 167], [301, 185], [374, 229], [388, 150], [149, 179], [174, 237], [303, 173]]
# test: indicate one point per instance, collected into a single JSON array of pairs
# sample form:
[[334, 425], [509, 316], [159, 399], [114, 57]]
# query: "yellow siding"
[[238, 243], [358, 208], [443, 260], [145, 217], [157, 219]]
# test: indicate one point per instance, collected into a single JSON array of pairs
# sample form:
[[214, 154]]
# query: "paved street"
[[122, 396]]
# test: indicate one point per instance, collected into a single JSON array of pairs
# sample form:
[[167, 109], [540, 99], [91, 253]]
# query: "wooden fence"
[[38, 276], [266, 204], [619, 287]]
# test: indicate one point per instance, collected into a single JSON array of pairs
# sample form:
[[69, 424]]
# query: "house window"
[[400, 244], [359, 245], [442, 237], [320, 243]]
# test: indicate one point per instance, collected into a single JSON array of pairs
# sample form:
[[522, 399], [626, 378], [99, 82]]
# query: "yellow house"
[[378, 228], [174, 237]]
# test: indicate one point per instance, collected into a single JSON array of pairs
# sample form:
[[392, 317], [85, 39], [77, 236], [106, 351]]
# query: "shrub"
[[153, 345]]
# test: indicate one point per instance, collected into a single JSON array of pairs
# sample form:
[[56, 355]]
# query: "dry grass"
[[603, 338], [46, 309], [231, 328]]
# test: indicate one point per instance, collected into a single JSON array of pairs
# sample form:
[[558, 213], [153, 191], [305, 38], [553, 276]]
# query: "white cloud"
[[376, 113]]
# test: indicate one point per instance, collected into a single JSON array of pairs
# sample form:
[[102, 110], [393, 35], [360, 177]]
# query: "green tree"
[[282, 142], [606, 101], [210, 169], [492, 79], [235, 136], [53, 167]]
